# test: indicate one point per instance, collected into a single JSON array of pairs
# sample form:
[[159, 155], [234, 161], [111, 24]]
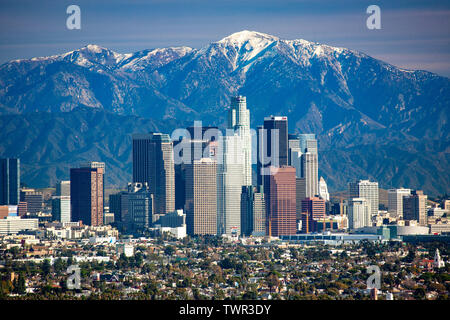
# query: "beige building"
[[201, 197]]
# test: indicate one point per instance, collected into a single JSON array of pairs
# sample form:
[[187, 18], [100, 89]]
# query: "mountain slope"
[[358, 106]]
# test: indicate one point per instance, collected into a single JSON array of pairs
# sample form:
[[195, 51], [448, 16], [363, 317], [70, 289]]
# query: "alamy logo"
[[374, 20], [74, 280], [74, 20], [374, 280]]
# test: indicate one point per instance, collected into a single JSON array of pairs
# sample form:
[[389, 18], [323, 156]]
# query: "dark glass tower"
[[9, 181], [153, 164]]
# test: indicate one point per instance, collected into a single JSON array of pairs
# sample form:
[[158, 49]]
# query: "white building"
[[229, 184], [239, 121], [323, 189], [61, 208], [359, 213], [310, 172], [14, 224], [395, 201], [368, 190]]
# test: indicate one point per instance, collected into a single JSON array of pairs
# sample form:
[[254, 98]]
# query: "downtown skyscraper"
[[281, 219], [153, 164], [201, 197], [86, 193], [230, 180], [239, 121], [365, 189], [9, 181]]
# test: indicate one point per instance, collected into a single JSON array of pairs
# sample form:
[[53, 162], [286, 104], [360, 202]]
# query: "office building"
[[253, 211], [201, 197], [63, 189], [14, 225], [323, 189], [61, 209], [310, 172], [140, 208], [359, 213], [313, 212], [153, 163], [395, 201], [281, 213], [118, 205], [22, 209], [414, 207], [9, 181], [307, 142], [34, 200], [200, 142], [239, 121], [86, 195], [230, 179], [295, 154], [368, 190], [272, 146]]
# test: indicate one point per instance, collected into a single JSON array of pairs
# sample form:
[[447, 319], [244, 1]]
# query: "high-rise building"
[[34, 200], [239, 121], [201, 197], [118, 205], [295, 154], [281, 213], [307, 142], [272, 146], [414, 207], [365, 189], [323, 189], [201, 142], [61, 208], [359, 213], [86, 195], [313, 212], [140, 207], [395, 201], [63, 189], [253, 211], [153, 163], [300, 194], [230, 179], [310, 172], [9, 181]]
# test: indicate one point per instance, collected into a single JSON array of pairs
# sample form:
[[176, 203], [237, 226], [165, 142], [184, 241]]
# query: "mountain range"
[[372, 119]]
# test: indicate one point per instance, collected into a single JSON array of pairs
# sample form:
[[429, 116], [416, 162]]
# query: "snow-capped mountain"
[[349, 99]]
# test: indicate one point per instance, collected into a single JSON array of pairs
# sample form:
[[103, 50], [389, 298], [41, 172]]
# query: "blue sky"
[[414, 34]]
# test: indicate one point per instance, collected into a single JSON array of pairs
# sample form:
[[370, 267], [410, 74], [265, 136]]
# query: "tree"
[[419, 293], [272, 281]]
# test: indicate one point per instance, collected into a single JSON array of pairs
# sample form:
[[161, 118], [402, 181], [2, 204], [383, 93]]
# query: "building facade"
[[230, 179], [368, 190], [414, 207], [239, 121], [9, 181], [86, 195], [281, 213], [359, 213], [153, 164], [201, 197]]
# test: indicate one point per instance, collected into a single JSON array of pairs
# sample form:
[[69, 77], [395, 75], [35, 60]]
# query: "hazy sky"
[[414, 34]]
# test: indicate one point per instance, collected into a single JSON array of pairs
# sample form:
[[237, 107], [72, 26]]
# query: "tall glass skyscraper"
[[153, 164], [229, 185], [239, 121], [9, 181]]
